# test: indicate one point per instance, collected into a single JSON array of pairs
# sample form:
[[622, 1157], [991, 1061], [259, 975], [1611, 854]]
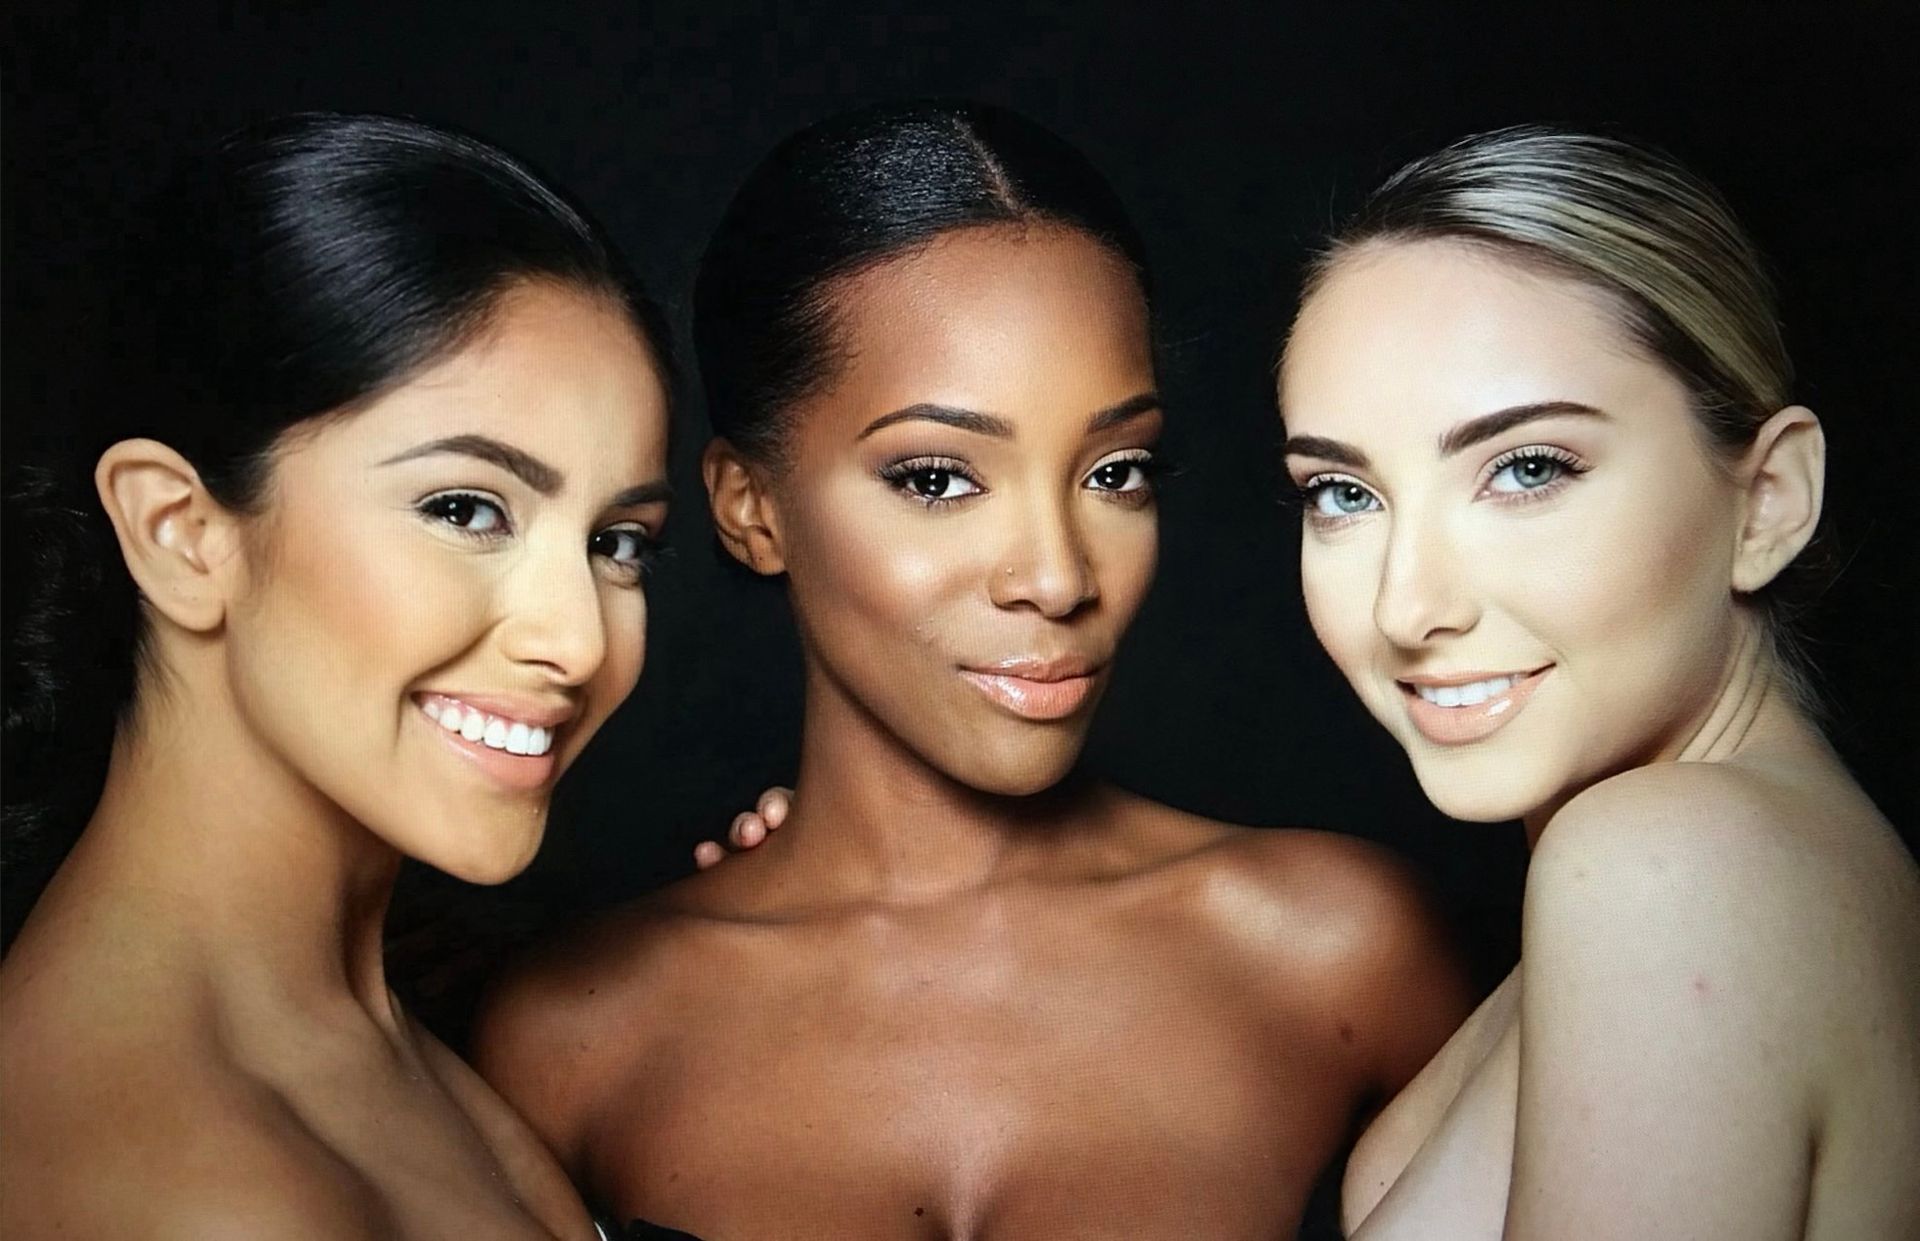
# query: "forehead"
[[1003, 318], [558, 372], [1414, 334]]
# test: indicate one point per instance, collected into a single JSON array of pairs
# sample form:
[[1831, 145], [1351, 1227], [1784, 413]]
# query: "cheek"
[[1338, 585], [1625, 578]]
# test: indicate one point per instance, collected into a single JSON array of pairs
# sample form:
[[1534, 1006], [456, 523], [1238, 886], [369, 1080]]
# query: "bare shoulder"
[[139, 1142], [1721, 846], [1752, 898], [1342, 913], [561, 1025]]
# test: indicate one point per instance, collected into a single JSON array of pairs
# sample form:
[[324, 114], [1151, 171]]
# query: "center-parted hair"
[[850, 192]]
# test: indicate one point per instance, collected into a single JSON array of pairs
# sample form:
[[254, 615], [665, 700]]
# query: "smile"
[[1461, 709], [495, 731]]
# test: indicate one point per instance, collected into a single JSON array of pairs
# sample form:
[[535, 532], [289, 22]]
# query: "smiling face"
[[442, 600], [1517, 547], [968, 516]]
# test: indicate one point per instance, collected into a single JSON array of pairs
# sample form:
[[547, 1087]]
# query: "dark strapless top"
[[641, 1230]]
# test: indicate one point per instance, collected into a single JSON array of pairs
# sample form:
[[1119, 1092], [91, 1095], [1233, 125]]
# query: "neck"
[[277, 892], [873, 820], [1751, 703]]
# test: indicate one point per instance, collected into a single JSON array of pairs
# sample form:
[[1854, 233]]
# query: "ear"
[[744, 515], [178, 541], [1784, 474]]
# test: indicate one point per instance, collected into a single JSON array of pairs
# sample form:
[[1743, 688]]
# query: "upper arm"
[[1667, 1014], [1406, 984], [536, 1040], [1371, 950]]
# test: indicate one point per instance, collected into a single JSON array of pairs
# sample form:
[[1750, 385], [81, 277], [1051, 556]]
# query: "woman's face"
[[442, 600], [968, 519], [1517, 546]]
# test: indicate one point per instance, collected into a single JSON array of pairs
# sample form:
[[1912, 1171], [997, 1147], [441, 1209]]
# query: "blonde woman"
[[1538, 406]]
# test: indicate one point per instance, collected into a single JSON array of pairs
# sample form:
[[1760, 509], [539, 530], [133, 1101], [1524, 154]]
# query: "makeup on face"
[[968, 518], [1515, 544], [453, 602]]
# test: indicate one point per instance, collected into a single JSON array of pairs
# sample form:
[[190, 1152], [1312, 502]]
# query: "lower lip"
[[519, 772], [1465, 725], [1033, 700]]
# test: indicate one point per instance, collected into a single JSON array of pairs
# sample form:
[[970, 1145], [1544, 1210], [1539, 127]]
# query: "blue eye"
[[464, 511], [1339, 497], [1526, 474], [1532, 469]]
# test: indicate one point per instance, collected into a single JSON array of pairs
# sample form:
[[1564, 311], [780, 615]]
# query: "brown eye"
[[466, 512]]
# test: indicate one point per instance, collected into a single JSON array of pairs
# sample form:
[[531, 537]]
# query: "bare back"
[[1745, 1014]]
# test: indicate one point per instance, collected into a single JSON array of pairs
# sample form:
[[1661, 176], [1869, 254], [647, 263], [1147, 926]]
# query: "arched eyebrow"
[[1455, 439], [523, 465], [1479, 430], [999, 428], [528, 468]]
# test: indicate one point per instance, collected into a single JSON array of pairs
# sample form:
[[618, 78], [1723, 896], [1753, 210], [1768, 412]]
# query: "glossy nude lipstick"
[[1466, 707], [1035, 689]]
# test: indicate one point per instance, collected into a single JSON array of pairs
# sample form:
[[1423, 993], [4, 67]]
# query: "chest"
[[1437, 1161], [1141, 1101]]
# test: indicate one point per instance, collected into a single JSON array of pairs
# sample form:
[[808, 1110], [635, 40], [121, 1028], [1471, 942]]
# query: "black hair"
[[298, 268], [850, 192]]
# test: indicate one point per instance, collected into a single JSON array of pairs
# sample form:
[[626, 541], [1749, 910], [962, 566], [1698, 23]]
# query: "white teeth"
[[1469, 695], [493, 731]]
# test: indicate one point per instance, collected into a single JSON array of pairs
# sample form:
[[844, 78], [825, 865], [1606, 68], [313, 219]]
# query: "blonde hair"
[[1689, 285]]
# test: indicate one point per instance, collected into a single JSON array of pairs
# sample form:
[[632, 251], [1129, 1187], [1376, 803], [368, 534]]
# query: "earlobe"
[[176, 539], [743, 513], [1785, 478]]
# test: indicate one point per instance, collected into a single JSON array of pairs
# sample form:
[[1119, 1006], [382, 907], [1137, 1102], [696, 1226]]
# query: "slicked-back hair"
[[843, 195]]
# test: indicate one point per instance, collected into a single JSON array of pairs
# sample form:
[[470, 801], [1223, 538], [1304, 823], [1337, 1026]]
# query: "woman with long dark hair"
[[382, 463], [967, 991]]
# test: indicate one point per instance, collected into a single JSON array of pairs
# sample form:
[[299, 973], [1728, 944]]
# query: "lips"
[[509, 740], [1462, 708], [1037, 689]]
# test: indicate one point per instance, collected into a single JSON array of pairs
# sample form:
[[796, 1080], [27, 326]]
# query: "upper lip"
[[533, 712], [1434, 680], [1032, 668]]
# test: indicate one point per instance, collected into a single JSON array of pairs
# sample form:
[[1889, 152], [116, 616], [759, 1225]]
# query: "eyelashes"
[[1519, 476], [937, 482], [626, 547]]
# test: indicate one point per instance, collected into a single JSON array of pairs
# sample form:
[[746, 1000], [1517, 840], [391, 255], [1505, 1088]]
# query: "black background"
[[1237, 138]]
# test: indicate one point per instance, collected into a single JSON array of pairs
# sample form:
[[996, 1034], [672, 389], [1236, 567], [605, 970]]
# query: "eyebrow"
[[1456, 439], [1486, 426], [523, 465], [999, 428], [526, 467]]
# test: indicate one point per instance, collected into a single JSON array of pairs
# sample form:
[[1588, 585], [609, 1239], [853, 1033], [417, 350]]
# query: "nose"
[[553, 618], [1423, 588], [1045, 565]]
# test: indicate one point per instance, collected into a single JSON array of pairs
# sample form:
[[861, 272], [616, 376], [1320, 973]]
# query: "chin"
[[507, 853], [1475, 792], [1021, 769]]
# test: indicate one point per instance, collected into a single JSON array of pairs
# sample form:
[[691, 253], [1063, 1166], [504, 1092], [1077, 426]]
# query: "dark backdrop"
[[1236, 139]]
